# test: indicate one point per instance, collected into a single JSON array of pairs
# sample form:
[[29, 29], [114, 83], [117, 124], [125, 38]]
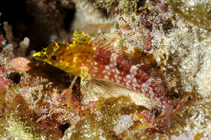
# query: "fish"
[[91, 59]]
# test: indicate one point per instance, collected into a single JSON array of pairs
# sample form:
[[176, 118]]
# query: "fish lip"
[[40, 56]]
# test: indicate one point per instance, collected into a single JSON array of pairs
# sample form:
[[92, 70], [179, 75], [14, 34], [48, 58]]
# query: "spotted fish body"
[[112, 68], [89, 60]]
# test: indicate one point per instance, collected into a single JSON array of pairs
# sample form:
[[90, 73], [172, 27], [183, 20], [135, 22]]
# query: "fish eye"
[[53, 57]]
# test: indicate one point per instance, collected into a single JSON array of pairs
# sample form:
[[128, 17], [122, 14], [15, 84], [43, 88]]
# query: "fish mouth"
[[41, 56]]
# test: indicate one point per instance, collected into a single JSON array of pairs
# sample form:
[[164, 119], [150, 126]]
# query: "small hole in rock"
[[15, 77], [64, 127]]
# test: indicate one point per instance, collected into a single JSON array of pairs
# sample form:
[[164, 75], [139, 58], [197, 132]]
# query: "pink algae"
[[2, 83], [72, 99], [20, 64]]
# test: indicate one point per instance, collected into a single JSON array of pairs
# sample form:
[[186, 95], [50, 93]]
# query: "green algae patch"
[[101, 125], [3, 123], [191, 109], [3, 92], [19, 110], [113, 108], [127, 6], [18, 122], [16, 129], [88, 128], [51, 134], [196, 12]]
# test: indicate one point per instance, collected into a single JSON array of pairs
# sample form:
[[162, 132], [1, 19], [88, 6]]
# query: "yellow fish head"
[[51, 54], [72, 58]]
